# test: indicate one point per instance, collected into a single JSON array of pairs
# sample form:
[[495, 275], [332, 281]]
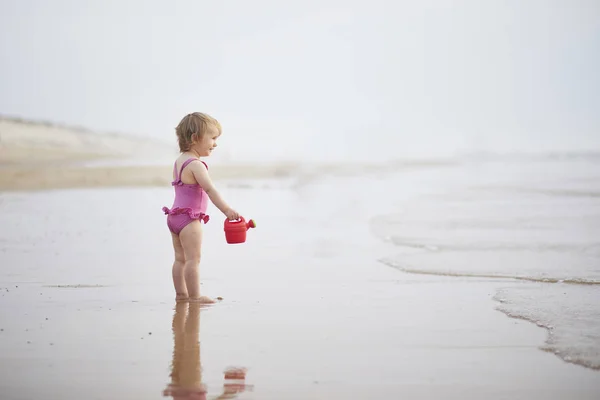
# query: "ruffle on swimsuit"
[[191, 213]]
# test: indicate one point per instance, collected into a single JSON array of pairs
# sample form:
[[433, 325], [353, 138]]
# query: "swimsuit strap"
[[185, 164]]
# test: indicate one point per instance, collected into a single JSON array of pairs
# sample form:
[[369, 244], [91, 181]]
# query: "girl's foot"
[[201, 300]]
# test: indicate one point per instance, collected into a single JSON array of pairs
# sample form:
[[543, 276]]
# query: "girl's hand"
[[231, 214]]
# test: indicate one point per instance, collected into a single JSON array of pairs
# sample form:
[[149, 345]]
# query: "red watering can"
[[235, 231]]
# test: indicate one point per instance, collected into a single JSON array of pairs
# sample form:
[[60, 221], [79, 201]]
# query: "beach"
[[385, 283], [38, 156]]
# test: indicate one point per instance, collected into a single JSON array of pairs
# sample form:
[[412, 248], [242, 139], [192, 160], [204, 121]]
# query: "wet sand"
[[87, 310], [67, 176]]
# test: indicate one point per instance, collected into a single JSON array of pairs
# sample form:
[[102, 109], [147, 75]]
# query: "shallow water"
[[526, 219]]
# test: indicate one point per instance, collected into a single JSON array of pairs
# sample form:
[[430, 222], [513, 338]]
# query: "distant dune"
[[35, 141], [38, 155]]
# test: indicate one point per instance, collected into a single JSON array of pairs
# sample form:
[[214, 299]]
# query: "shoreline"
[[68, 176]]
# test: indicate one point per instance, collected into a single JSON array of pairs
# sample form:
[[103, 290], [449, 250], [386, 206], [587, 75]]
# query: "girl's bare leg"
[[181, 292], [191, 241]]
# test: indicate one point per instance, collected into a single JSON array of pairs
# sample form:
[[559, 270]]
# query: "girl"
[[197, 135]]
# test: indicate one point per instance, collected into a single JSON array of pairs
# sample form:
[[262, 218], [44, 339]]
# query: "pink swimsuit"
[[190, 202]]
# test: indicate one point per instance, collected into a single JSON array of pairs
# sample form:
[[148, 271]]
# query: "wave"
[[563, 192], [569, 314], [545, 279], [589, 249], [581, 155], [543, 191], [595, 365]]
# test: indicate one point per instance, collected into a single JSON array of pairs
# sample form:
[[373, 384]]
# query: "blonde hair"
[[192, 127]]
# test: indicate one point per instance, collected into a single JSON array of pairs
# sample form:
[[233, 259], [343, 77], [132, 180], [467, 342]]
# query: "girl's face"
[[207, 143]]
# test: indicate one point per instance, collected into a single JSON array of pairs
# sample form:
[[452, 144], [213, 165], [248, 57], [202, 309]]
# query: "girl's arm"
[[201, 175]]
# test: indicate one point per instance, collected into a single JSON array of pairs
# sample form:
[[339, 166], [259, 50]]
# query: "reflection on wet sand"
[[186, 368]]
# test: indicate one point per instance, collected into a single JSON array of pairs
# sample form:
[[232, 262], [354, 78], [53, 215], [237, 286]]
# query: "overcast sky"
[[313, 78]]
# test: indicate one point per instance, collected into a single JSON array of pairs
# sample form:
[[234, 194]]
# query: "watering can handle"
[[235, 221]]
